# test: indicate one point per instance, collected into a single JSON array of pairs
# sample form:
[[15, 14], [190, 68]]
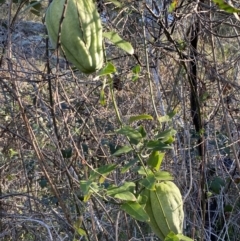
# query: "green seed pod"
[[80, 32], [165, 209]]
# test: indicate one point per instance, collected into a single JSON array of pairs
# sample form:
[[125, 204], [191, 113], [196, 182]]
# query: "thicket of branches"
[[54, 128]]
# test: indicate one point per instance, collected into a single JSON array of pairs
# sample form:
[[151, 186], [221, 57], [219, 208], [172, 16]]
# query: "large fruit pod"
[[165, 209], [80, 32]]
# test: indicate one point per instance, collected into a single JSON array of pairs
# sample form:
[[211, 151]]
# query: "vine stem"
[[147, 66], [121, 123], [115, 103]]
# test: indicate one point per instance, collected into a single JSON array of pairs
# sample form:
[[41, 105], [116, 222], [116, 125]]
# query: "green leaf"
[[134, 135], [142, 171], [142, 198], [118, 41], [163, 176], [126, 196], [126, 167], [171, 237], [155, 160], [108, 69], [172, 6], [102, 171], [88, 187], [157, 145], [216, 185], [135, 77], [172, 114], [224, 5], [142, 130], [136, 211], [122, 150], [166, 136], [35, 7], [85, 186], [87, 197], [183, 238], [81, 231], [77, 226], [140, 117], [136, 69], [149, 182], [127, 186], [228, 208], [12, 153]]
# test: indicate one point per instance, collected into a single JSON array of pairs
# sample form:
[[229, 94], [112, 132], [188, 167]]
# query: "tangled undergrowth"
[[57, 124]]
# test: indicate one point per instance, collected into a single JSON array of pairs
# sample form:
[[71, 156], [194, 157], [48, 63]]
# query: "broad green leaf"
[[136, 211], [140, 117], [102, 171], [122, 150], [142, 171], [85, 186], [108, 69], [165, 135], [126, 196], [157, 145], [155, 160], [127, 186], [142, 198], [126, 167], [134, 135], [163, 176], [118, 41], [149, 182], [224, 5]]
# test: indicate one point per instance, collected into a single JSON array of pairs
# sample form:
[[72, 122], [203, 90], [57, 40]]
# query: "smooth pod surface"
[[80, 32]]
